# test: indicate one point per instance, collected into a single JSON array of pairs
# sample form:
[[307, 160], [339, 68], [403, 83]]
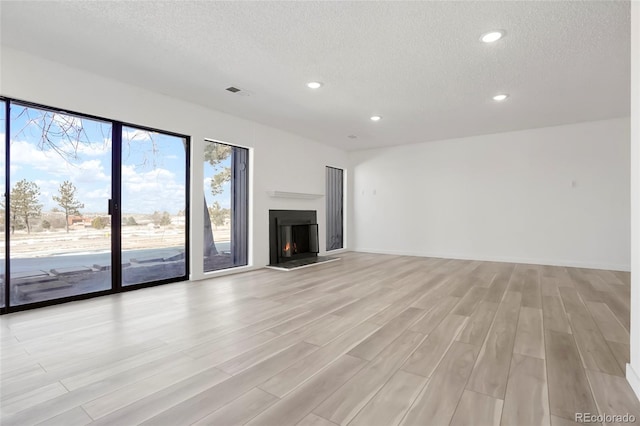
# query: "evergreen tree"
[[24, 203], [67, 200]]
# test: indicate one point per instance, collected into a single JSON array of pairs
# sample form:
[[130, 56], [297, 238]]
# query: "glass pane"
[[226, 203], [154, 199], [3, 141], [60, 242]]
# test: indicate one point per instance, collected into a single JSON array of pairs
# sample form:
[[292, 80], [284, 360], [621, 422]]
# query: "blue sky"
[[153, 169]]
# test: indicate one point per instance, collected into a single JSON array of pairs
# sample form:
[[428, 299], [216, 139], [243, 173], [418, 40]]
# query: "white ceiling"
[[420, 65]]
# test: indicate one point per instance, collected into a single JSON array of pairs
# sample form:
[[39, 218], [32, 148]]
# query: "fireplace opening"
[[298, 241], [293, 239]]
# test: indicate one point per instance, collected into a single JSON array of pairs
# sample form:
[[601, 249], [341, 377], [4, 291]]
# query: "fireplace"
[[293, 237]]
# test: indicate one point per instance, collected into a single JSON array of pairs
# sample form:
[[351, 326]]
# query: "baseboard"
[[223, 272], [550, 262], [336, 251], [634, 380]]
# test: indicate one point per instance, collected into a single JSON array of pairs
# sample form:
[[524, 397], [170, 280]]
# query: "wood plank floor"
[[371, 340]]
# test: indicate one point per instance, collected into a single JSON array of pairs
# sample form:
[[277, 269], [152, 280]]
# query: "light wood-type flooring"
[[369, 340]]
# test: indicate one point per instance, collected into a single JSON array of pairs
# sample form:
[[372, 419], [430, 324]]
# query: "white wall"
[[633, 370], [280, 161], [501, 197]]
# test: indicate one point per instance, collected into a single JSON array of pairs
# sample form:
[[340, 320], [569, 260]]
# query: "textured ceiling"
[[420, 65]]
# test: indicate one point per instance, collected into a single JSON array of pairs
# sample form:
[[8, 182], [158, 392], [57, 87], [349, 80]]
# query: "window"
[[60, 183], [84, 194], [334, 199], [226, 206], [153, 219]]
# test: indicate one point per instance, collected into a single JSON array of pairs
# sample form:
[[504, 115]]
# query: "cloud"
[[92, 149], [103, 193], [48, 170], [145, 188], [48, 188], [129, 134], [23, 152], [94, 199], [153, 190], [89, 172], [49, 162]]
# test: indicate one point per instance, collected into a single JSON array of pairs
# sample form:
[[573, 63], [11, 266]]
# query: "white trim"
[[196, 207], [227, 143], [635, 198], [634, 380], [223, 272], [302, 195], [550, 262], [336, 251]]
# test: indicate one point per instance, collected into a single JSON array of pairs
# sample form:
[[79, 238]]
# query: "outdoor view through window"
[[225, 216], [153, 206], [60, 227]]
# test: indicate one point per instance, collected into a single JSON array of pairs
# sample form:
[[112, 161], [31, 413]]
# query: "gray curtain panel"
[[240, 204], [334, 199]]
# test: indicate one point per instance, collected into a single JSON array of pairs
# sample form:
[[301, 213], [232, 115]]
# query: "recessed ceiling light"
[[375, 118], [500, 97], [492, 36], [314, 85]]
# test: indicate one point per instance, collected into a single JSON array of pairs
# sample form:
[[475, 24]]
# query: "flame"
[[287, 247]]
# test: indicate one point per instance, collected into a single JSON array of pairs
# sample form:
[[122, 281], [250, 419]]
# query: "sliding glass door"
[[59, 187], [82, 194], [154, 219]]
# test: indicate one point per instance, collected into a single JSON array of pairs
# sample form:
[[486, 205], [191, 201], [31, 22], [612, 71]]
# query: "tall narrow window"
[[334, 208], [226, 206]]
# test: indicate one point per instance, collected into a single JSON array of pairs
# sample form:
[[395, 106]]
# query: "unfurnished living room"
[[318, 213]]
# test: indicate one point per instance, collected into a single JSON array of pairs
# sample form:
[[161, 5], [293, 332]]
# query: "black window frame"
[[116, 187]]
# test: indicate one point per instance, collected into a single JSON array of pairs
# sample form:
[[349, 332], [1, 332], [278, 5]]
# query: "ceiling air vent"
[[238, 91]]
